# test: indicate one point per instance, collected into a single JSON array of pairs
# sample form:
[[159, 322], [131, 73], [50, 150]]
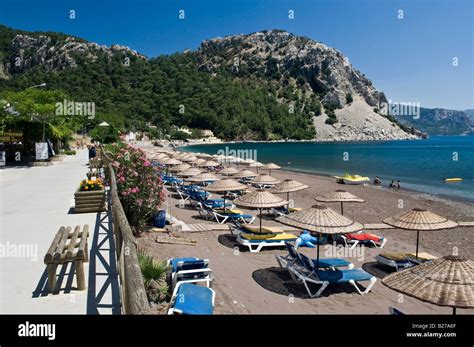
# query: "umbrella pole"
[[287, 196], [317, 257], [260, 220], [342, 208], [417, 241], [224, 203], [454, 311]]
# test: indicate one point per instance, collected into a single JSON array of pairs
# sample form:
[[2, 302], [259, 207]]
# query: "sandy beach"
[[253, 283]]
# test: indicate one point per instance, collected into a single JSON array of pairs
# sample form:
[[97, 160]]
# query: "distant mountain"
[[438, 121], [470, 114], [265, 85]]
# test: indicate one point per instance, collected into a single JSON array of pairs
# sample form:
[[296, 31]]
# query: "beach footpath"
[[35, 202]]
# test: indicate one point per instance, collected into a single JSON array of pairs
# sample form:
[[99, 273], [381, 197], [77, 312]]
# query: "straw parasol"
[[225, 185], [180, 167], [247, 161], [270, 167], [197, 162], [228, 171], [189, 172], [172, 161], [256, 164], [161, 159], [260, 199], [339, 196], [264, 179], [287, 186], [188, 158], [209, 163], [204, 155], [244, 174], [203, 177], [321, 219], [447, 281], [420, 220]]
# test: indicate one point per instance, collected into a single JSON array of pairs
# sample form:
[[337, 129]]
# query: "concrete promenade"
[[34, 203]]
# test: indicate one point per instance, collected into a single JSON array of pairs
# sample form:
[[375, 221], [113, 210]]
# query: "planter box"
[[89, 201]]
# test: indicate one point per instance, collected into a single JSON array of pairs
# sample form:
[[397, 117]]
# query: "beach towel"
[[364, 237]]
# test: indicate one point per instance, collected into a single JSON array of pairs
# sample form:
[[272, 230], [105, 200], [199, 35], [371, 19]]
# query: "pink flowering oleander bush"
[[140, 188]]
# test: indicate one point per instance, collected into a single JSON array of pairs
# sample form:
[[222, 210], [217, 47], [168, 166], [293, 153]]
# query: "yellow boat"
[[352, 179], [454, 179]]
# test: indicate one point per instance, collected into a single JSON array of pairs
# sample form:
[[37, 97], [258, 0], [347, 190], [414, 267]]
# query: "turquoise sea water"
[[419, 165]]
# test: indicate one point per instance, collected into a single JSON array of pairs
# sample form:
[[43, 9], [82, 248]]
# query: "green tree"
[[35, 105]]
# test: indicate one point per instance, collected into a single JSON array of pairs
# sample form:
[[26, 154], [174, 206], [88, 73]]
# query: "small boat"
[[352, 179], [454, 179]]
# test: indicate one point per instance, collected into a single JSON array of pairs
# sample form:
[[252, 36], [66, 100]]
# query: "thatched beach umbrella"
[[225, 185], [188, 158], [256, 164], [270, 167], [247, 161], [244, 174], [209, 163], [322, 220], [204, 155], [180, 167], [197, 162], [189, 172], [203, 177], [260, 200], [447, 281], [228, 171], [264, 179], [420, 220], [339, 196], [161, 159], [287, 186], [172, 162]]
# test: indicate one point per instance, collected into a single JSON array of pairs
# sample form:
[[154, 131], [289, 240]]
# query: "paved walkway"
[[34, 203]]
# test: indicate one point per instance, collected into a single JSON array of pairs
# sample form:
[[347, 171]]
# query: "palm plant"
[[151, 270]]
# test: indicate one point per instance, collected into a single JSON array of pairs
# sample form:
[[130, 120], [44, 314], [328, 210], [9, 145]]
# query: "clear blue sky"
[[409, 59]]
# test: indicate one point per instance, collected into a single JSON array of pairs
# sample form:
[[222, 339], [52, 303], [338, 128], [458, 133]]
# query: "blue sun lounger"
[[192, 299], [189, 270], [310, 274], [324, 263]]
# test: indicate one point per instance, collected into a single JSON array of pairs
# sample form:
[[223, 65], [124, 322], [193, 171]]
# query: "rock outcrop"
[[28, 51]]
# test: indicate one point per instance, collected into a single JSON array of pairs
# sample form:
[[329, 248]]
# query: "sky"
[[413, 50]]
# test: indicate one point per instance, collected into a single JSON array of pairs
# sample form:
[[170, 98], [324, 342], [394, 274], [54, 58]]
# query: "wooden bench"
[[62, 252]]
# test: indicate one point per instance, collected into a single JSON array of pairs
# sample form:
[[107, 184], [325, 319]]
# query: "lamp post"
[[41, 85]]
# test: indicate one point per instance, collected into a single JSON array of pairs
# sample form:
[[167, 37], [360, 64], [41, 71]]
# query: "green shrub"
[[154, 276], [69, 152], [349, 98], [151, 269]]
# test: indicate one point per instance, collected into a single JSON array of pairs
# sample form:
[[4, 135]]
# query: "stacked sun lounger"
[[324, 272], [188, 296], [256, 239]]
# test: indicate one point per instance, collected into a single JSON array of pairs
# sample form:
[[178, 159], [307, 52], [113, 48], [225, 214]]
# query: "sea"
[[420, 165]]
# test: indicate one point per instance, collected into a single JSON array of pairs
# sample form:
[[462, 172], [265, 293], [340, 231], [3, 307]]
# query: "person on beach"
[[377, 181], [398, 185], [392, 185], [92, 151]]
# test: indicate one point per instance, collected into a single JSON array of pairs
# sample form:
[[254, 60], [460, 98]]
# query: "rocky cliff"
[[315, 71]]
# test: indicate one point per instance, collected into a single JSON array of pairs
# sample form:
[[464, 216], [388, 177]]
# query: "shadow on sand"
[[279, 281]]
